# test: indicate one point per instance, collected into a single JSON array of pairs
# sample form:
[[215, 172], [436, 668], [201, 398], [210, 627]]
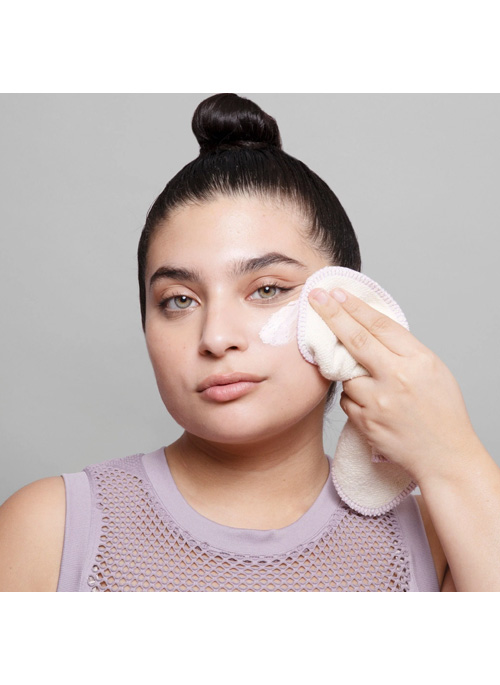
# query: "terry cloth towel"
[[366, 481]]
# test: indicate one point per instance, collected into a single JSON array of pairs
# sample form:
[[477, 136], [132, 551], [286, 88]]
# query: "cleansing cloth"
[[364, 479]]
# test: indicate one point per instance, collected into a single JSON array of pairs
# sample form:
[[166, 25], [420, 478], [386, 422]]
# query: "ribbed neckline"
[[238, 540]]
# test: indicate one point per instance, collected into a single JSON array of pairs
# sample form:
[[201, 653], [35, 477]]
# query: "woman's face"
[[208, 297]]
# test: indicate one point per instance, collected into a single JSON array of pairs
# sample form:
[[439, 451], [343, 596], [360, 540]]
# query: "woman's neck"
[[263, 485]]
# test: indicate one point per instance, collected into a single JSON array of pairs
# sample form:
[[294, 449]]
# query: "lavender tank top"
[[128, 528]]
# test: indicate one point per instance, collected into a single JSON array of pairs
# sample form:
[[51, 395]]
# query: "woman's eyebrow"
[[239, 267], [245, 266], [174, 273]]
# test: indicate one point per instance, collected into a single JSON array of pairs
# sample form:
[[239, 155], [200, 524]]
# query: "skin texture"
[[256, 461], [410, 407], [31, 537], [411, 410], [249, 462]]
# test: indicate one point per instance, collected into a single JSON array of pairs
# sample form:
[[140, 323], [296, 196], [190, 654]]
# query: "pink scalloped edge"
[[377, 511], [378, 458], [325, 272]]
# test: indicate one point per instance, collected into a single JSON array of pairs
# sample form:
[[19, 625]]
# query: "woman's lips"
[[229, 391]]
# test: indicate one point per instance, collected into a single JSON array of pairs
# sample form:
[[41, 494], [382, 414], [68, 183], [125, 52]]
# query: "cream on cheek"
[[281, 327]]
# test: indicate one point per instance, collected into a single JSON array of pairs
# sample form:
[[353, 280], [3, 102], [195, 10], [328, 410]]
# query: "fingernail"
[[339, 295], [320, 296]]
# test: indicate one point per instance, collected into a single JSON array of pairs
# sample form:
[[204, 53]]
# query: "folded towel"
[[365, 480]]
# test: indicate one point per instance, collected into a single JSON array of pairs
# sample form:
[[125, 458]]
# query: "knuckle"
[[380, 324], [354, 307], [359, 339], [333, 311], [426, 362], [429, 358], [383, 402]]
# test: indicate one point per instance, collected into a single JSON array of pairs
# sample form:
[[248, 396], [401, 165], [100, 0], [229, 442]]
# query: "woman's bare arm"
[[464, 504], [438, 556], [31, 537], [411, 409]]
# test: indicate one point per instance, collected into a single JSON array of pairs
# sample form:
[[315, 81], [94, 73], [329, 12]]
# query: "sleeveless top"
[[128, 528]]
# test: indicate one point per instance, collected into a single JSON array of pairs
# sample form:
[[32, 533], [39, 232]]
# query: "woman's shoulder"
[[32, 524]]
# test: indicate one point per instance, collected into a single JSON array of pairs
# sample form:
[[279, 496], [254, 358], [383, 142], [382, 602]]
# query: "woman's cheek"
[[291, 370], [281, 327]]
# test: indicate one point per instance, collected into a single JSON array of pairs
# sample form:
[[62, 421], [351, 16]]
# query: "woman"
[[243, 499]]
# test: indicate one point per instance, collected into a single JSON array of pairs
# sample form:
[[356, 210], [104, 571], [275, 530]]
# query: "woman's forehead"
[[225, 227]]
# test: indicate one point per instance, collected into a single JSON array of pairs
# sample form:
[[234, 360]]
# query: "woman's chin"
[[246, 421], [240, 430], [233, 435]]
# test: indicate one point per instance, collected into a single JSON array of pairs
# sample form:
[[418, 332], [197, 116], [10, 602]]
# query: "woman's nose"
[[223, 329]]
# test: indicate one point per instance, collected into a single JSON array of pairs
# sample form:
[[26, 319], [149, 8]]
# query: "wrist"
[[456, 468]]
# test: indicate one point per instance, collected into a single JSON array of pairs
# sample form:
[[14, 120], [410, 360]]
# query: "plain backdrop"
[[417, 174]]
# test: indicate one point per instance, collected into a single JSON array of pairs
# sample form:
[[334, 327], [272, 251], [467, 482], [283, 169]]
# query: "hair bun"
[[226, 121]]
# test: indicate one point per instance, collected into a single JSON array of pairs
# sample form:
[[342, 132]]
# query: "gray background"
[[417, 174]]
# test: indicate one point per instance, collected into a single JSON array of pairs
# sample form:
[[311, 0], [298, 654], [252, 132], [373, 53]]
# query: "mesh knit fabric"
[[141, 548]]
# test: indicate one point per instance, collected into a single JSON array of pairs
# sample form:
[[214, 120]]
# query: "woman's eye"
[[176, 302], [269, 292]]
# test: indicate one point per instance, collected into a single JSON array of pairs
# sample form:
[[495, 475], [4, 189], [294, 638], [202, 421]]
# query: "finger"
[[349, 407], [392, 334], [359, 342], [359, 390]]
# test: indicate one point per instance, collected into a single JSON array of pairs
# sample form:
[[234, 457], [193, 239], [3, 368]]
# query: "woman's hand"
[[410, 408]]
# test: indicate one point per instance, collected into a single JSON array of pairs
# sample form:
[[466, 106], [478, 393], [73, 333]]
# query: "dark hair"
[[240, 154]]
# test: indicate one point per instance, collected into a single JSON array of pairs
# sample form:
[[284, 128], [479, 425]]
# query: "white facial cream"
[[281, 327]]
